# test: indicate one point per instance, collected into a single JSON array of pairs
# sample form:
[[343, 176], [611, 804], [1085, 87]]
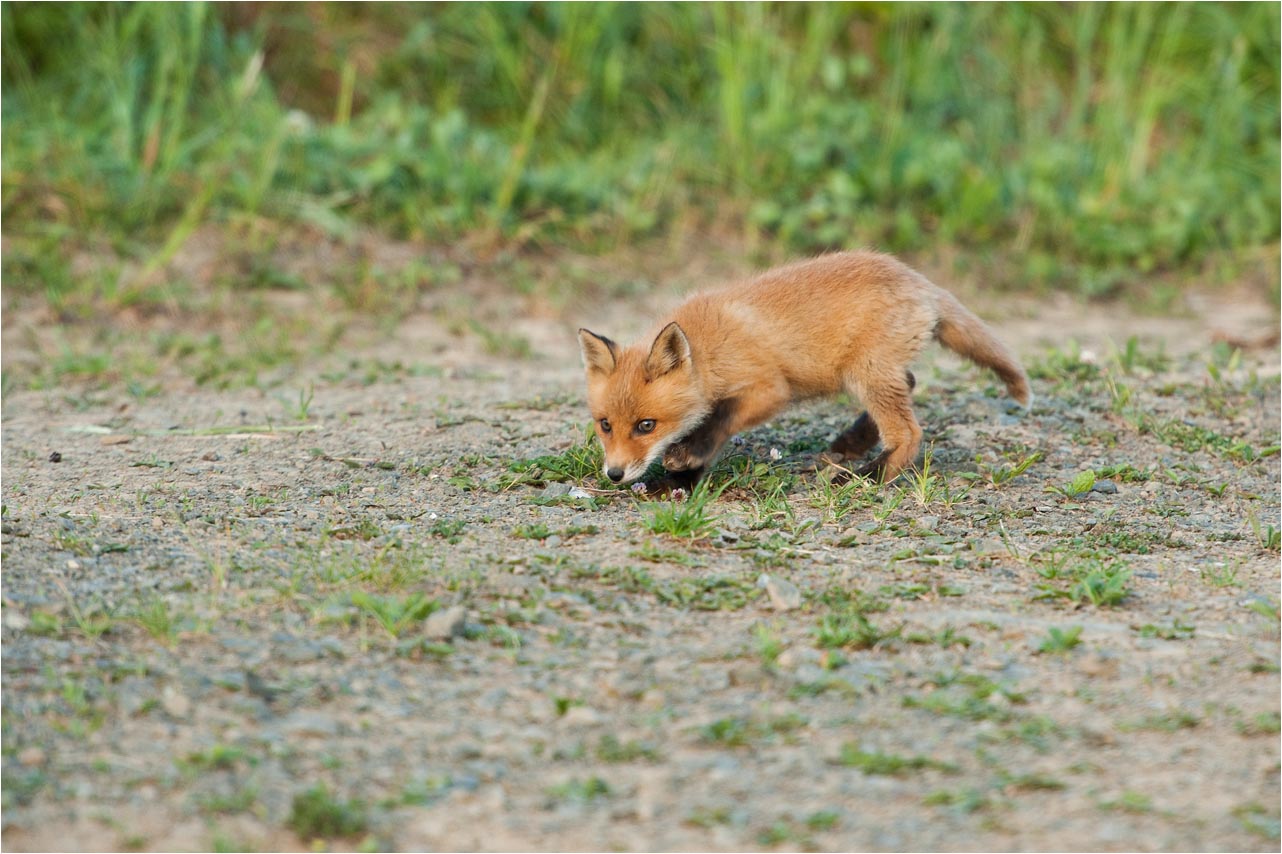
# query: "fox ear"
[[598, 352], [671, 350]]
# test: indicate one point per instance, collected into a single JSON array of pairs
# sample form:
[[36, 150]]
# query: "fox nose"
[[615, 475]]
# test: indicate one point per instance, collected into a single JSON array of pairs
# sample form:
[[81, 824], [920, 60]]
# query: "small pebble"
[[305, 724], [581, 716], [555, 490], [446, 624], [55, 457], [175, 702], [784, 595], [1105, 487], [30, 756]]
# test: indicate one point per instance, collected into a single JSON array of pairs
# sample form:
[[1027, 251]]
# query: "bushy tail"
[[962, 332]]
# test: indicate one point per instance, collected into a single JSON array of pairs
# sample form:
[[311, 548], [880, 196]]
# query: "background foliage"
[[1088, 145]]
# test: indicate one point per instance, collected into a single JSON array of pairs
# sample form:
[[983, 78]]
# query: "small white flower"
[[678, 494], [639, 488], [775, 455]]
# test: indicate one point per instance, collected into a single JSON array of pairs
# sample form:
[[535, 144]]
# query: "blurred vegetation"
[[1088, 146]]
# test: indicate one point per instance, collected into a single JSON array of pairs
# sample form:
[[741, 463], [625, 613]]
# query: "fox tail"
[[965, 334]]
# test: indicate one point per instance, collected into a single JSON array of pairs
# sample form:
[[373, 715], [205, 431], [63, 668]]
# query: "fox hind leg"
[[890, 412], [860, 438], [857, 439]]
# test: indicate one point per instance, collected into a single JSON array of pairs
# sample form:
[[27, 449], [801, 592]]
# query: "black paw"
[[681, 458], [874, 469]]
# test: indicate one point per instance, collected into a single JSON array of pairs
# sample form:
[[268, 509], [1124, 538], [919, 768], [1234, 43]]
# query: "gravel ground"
[[363, 609]]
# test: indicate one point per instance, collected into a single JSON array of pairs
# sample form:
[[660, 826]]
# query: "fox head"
[[642, 399]]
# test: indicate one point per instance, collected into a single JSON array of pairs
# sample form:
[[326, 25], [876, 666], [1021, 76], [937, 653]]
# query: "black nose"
[[615, 475]]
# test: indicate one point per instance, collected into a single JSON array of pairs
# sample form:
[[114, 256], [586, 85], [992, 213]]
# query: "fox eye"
[[605, 425], [645, 425]]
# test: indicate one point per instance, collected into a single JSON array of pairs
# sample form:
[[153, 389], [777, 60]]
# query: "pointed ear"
[[671, 350], [599, 352]]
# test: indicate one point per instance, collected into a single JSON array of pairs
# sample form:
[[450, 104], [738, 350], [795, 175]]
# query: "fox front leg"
[[697, 449]]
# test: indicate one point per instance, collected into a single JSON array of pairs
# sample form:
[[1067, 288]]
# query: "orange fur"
[[726, 360]]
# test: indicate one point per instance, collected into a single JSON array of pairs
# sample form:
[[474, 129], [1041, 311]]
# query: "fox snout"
[[625, 472]]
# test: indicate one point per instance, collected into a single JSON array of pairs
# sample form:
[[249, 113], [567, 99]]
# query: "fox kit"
[[729, 359]]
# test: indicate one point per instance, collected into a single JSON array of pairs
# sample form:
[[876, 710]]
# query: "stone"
[[1105, 487], [796, 656], [580, 716], [175, 702], [304, 724], [132, 695], [446, 624], [784, 595]]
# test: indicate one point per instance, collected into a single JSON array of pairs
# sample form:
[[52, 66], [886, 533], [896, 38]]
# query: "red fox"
[[726, 360]]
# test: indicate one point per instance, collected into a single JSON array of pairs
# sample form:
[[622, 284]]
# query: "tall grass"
[[1092, 144]]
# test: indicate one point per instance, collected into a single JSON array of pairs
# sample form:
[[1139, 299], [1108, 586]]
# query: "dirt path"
[[362, 607]]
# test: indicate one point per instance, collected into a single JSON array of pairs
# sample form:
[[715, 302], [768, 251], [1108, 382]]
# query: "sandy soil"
[[217, 600]]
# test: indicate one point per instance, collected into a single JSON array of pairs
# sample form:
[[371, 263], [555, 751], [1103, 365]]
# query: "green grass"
[[580, 462], [850, 630], [891, 764], [963, 800], [1000, 475], [1178, 630], [217, 757], [318, 814], [158, 620], [1075, 488], [1167, 722], [1083, 578], [583, 791], [395, 614], [689, 519], [694, 592], [1128, 801], [769, 645], [1099, 145], [970, 697], [611, 749], [1058, 641], [540, 531], [651, 552], [744, 731]]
